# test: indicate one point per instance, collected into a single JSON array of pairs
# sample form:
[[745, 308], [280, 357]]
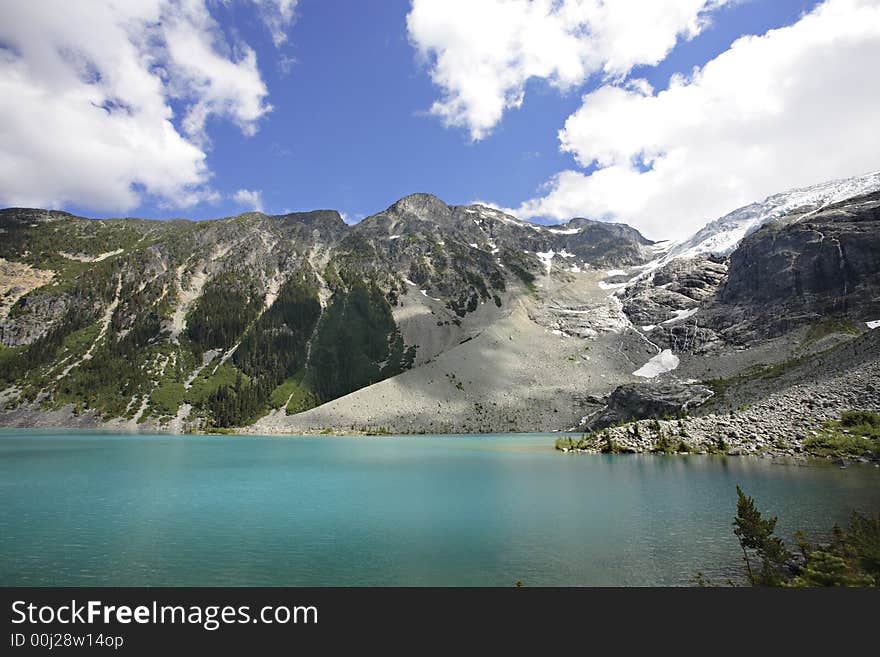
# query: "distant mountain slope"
[[422, 317], [212, 324], [721, 236]]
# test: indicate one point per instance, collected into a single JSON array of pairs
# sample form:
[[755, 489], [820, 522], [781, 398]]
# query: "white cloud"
[[252, 199], [351, 219], [793, 107], [277, 15], [86, 93], [286, 64], [482, 52], [200, 71]]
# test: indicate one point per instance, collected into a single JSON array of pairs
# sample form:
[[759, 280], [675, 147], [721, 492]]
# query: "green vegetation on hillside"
[[856, 434], [516, 263], [222, 313], [234, 405], [276, 344], [754, 373], [41, 244], [166, 398], [116, 371], [23, 361], [357, 342], [272, 349], [133, 362], [293, 395], [830, 326]]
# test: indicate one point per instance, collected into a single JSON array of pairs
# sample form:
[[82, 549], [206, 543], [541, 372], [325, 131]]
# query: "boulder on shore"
[[641, 401]]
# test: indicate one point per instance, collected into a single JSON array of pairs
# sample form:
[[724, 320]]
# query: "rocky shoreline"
[[792, 412], [788, 425], [795, 454]]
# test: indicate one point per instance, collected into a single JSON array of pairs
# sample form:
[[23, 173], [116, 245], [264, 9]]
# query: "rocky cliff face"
[[813, 265], [804, 268], [673, 291]]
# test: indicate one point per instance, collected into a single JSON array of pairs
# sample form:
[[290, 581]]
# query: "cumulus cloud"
[[481, 53], [252, 199], [792, 107], [86, 95]]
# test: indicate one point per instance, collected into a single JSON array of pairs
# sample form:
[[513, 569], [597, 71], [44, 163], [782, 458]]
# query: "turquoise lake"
[[89, 508]]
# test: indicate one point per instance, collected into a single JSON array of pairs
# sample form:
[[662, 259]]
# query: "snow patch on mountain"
[[547, 258], [722, 236], [486, 212], [682, 314], [663, 362]]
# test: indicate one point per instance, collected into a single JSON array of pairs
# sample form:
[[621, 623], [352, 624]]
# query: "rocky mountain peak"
[[326, 218], [607, 227], [33, 215], [422, 205]]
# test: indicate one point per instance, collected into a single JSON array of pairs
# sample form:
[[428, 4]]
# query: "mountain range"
[[433, 318]]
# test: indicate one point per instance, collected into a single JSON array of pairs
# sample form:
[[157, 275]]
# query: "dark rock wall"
[[803, 268]]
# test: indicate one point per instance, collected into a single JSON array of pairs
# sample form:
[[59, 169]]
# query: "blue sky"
[[350, 127]]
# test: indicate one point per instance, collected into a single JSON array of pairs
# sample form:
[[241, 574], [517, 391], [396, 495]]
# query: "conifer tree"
[[755, 534]]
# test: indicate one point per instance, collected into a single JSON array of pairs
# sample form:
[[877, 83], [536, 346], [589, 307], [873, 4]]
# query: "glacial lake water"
[[88, 508]]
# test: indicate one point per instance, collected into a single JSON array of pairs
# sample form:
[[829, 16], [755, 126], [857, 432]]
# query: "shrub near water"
[[866, 421], [567, 442], [857, 433]]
